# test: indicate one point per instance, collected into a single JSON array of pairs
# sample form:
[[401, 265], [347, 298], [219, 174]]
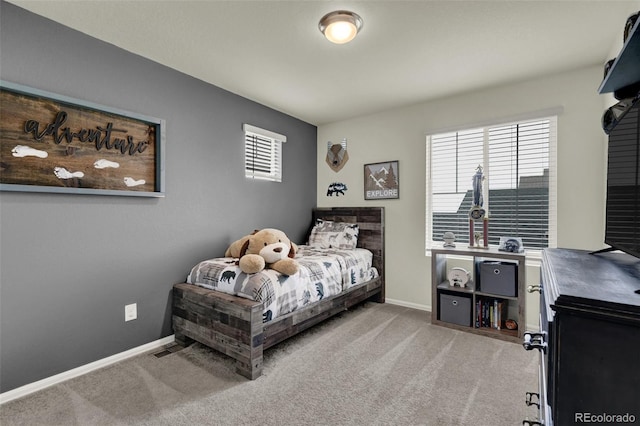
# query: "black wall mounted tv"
[[623, 183]]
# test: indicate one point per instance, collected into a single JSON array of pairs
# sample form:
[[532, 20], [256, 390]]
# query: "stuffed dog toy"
[[266, 248]]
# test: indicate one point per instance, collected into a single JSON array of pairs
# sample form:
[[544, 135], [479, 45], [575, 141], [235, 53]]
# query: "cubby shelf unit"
[[440, 285]]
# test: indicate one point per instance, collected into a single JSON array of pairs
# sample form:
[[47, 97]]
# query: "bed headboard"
[[370, 220]]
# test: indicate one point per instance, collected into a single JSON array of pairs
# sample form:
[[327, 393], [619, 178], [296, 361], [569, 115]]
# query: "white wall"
[[400, 135]]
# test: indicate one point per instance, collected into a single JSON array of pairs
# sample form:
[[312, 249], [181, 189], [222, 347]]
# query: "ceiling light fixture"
[[340, 26]]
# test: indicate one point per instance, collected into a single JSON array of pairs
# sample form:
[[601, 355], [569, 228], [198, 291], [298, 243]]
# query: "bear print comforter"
[[323, 273]]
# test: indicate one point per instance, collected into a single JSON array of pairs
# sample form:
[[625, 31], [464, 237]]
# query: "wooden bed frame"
[[233, 325]]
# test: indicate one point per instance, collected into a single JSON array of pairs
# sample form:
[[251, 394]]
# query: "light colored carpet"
[[378, 364]]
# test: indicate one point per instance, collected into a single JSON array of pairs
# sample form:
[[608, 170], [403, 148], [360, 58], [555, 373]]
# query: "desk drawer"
[[538, 341]]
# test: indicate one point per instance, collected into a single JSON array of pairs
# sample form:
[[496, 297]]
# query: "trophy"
[[477, 214]]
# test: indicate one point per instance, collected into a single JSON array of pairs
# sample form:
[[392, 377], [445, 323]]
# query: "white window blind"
[[518, 161], [262, 153]]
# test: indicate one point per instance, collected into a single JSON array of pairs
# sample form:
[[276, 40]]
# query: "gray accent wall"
[[70, 263]]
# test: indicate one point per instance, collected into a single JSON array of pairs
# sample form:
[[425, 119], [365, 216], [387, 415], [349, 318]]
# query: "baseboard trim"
[[408, 304], [84, 369]]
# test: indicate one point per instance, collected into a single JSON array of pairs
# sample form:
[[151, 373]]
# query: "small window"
[[262, 153]]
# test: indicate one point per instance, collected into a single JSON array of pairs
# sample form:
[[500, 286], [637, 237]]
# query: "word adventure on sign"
[[101, 136]]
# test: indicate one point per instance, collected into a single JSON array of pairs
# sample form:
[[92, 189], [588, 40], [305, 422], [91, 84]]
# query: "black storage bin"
[[499, 278], [455, 309]]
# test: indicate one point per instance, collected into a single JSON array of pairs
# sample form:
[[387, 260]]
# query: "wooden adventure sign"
[[51, 143]]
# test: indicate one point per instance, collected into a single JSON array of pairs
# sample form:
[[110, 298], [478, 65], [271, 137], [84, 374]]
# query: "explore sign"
[[381, 180]]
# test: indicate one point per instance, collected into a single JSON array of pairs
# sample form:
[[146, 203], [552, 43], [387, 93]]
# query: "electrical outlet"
[[130, 312]]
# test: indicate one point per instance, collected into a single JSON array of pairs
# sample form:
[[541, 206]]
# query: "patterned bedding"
[[324, 272]]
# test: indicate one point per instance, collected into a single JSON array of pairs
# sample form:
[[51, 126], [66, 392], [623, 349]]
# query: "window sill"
[[533, 257]]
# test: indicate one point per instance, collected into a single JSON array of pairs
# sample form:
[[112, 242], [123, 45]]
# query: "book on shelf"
[[491, 313]]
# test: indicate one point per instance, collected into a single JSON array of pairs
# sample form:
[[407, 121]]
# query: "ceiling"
[[407, 52]]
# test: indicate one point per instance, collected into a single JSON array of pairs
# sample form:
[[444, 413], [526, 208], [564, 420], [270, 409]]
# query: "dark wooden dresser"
[[589, 339]]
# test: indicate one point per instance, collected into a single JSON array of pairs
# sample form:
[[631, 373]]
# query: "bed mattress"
[[324, 272]]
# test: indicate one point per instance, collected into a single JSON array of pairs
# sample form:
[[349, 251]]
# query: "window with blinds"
[[262, 153], [518, 162]]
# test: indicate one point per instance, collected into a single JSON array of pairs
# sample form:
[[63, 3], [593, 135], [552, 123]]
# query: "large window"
[[262, 153], [518, 161]]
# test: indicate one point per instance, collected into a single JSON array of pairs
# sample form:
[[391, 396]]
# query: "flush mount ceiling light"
[[340, 26]]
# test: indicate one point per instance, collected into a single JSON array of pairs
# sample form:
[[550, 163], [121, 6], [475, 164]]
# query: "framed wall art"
[[381, 180], [53, 143]]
